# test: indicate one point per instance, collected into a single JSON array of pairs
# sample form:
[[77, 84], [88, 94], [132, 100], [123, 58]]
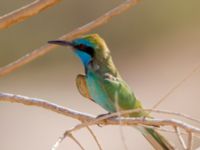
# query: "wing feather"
[[82, 86]]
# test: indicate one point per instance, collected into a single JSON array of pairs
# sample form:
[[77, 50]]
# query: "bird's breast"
[[97, 91]]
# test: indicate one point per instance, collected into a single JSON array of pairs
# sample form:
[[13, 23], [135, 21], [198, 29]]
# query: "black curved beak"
[[61, 42]]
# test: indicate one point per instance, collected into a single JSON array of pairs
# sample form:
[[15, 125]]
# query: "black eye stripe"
[[89, 50], [82, 47]]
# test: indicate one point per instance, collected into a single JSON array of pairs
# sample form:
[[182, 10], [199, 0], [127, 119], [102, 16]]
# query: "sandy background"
[[154, 45]]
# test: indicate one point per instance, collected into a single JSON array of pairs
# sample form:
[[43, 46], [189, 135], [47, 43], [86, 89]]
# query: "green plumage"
[[103, 84]]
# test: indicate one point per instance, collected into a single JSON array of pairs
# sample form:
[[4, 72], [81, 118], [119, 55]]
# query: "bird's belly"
[[98, 93]]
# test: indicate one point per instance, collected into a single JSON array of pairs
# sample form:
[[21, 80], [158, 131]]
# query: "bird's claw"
[[102, 115]]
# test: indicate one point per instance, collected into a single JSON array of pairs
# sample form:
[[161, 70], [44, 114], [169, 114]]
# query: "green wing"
[[118, 89], [121, 94]]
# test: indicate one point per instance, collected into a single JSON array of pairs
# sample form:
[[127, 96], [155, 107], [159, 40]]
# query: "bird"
[[103, 84]]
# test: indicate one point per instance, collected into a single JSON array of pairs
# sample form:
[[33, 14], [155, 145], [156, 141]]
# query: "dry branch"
[[69, 36], [76, 141], [190, 140], [95, 138], [25, 12], [88, 119], [176, 86], [180, 138], [5, 97]]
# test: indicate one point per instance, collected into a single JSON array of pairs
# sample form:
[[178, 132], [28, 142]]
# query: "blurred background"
[[154, 45]]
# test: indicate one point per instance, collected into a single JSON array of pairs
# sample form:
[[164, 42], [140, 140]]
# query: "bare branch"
[[25, 12], [58, 142], [123, 138], [69, 36], [176, 86], [95, 138], [90, 119], [174, 114], [76, 141], [190, 140], [180, 138], [67, 133], [120, 127], [55, 146], [4, 97]]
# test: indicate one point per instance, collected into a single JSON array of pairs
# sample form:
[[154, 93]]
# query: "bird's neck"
[[84, 57], [101, 67]]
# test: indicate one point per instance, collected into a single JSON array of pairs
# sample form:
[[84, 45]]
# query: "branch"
[[111, 119], [25, 12], [88, 119], [95, 138], [76, 141], [69, 36], [180, 138], [5, 97], [190, 139], [176, 86]]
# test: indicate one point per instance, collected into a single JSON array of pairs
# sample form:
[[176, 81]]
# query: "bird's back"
[[107, 88]]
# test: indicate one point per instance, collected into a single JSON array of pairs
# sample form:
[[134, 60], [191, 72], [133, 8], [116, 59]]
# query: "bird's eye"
[[82, 47], [86, 49]]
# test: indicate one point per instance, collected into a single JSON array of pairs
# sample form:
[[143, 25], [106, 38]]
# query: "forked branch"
[[88, 119]]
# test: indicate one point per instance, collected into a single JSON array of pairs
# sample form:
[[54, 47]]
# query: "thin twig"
[[174, 114], [180, 138], [69, 36], [190, 140], [123, 137], [119, 115], [177, 114], [67, 133], [78, 127], [56, 145], [164, 129], [25, 12], [95, 138], [176, 86], [76, 141]]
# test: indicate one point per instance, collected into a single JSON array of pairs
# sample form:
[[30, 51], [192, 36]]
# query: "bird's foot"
[[102, 115]]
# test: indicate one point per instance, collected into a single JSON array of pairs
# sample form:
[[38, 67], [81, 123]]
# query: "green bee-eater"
[[103, 84]]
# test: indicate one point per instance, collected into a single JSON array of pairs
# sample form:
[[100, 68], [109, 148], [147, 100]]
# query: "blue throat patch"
[[85, 58]]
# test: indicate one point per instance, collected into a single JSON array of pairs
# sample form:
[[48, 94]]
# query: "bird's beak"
[[61, 42]]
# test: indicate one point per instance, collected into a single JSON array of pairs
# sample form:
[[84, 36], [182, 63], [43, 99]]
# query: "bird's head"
[[87, 48]]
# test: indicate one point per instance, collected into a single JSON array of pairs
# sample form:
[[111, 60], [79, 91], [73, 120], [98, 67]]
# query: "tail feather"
[[156, 139]]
